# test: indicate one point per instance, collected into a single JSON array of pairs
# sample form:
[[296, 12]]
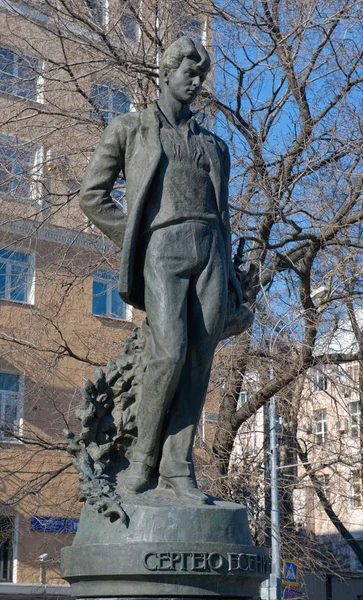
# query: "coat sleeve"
[[102, 171]]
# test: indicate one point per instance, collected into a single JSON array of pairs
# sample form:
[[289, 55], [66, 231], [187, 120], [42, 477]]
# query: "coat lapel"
[[148, 161], [219, 182], [216, 170], [150, 137]]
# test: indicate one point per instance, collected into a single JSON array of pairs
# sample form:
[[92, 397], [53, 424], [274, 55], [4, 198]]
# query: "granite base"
[[170, 551]]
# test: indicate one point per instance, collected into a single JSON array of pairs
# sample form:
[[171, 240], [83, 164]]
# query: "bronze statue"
[[175, 262]]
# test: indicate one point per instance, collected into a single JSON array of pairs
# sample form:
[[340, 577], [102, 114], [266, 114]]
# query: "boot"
[[137, 478], [184, 488]]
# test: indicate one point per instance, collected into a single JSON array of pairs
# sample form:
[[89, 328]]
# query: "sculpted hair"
[[185, 47]]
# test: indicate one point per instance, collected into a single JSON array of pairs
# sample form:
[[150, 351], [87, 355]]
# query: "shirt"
[[181, 189]]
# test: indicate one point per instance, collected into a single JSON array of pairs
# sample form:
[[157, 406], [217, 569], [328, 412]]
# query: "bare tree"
[[286, 95]]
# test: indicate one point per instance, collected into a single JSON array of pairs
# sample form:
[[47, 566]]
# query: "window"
[[17, 163], [106, 299], [192, 28], [324, 484], [320, 382], [19, 75], [354, 418], [6, 548], [200, 432], [352, 372], [108, 101], [97, 8], [356, 488], [10, 404], [242, 399], [16, 276], [118, 194], [321, 426], [127, 22]]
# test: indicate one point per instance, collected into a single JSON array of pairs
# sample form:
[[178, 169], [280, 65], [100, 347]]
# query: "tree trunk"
[[346, 535]]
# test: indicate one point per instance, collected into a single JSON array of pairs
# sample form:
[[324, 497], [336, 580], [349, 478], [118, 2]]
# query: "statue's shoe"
[[137, 478], [184, 488]]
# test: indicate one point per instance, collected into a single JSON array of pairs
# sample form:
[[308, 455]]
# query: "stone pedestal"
[[166, 550]]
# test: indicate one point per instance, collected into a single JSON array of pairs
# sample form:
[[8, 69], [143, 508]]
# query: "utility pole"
[[275, 577], [271, 589]]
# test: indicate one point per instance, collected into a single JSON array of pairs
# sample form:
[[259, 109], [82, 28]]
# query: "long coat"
[[131, 145]]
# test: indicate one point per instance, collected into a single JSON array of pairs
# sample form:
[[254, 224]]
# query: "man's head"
[[184, 67]]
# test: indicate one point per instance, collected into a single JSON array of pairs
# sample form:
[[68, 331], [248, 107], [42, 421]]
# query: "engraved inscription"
[[248, 562], [206, 562]]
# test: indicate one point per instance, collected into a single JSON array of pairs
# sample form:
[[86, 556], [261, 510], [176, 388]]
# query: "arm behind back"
[[102, 171]]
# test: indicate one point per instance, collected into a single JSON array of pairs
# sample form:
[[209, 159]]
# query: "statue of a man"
[[175, 262]]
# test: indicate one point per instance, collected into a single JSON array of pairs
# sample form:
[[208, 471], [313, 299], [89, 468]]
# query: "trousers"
[[186, 281]]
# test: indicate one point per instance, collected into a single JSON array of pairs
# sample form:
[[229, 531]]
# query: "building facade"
[[318, 431]]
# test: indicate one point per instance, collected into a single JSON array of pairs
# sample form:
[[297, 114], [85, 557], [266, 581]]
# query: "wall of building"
[[332, 588]]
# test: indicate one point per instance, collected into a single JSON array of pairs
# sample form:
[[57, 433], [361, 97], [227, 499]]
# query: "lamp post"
[[275, 582], [275, 589], [275, 577], [272, 589]]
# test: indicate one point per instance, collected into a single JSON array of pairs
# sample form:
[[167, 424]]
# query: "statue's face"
[[185, 82]]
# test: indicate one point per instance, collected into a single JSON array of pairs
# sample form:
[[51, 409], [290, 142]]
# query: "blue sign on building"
[[54, 524]]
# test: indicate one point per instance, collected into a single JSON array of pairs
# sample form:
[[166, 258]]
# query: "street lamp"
[[275, 577], [272, 589], [275, 583]]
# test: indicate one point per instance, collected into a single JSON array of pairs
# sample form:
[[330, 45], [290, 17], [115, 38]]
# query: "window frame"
[[352, 372], [199, 438], [100, 13], [30, 286], [13, 77], [354, 419], [243, 398], [19, 402], [320, 381], [54, 168], [10, 550], [321, 426], [324, 481], [356, 488], [37, 178], [126, 17], [34, 171], [106, 110], [109, 278]]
